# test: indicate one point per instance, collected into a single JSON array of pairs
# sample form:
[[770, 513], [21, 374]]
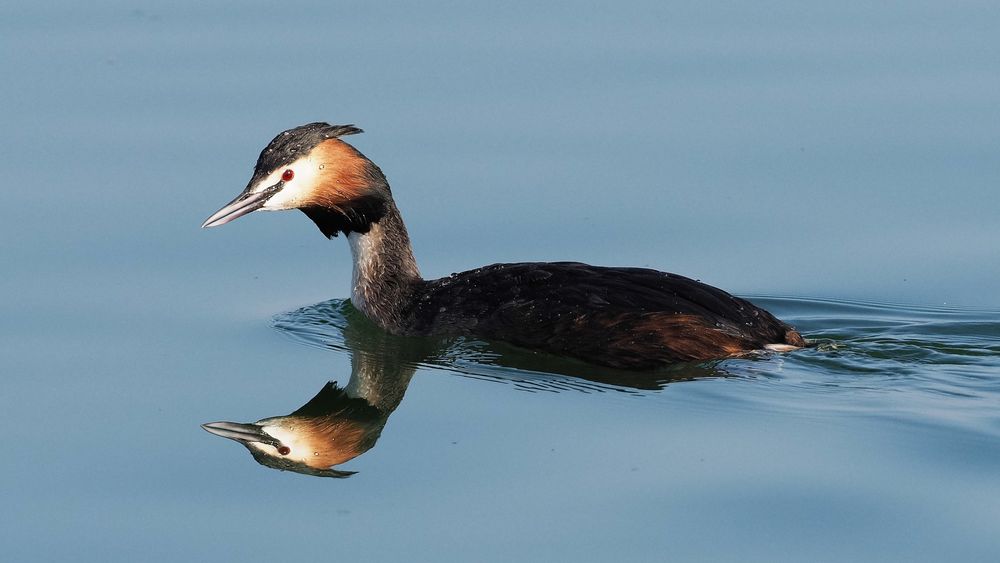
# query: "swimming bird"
[[630, 318]]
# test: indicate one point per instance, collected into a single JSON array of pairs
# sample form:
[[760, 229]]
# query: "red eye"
[[284, 450], [287, 175]]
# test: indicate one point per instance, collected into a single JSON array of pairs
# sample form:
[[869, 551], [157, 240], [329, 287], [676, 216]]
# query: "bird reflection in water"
[[337, 325], [339, 424]]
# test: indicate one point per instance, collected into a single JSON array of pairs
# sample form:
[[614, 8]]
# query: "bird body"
[[632, 318]]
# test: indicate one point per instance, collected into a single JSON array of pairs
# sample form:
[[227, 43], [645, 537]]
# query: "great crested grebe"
[[632, 318]]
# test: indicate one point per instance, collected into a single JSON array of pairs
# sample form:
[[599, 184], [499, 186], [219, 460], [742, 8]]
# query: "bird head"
[[330, 429], [311, 169]]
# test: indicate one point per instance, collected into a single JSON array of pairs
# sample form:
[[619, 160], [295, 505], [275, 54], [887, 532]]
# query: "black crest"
[[293, 143]]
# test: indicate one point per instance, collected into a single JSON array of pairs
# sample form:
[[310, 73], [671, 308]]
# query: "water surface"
[[842, 157]]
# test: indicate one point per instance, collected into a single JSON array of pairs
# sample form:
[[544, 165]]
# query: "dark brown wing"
[[621, 317]]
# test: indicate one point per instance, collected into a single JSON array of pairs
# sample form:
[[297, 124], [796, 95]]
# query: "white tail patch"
[[781, 347]]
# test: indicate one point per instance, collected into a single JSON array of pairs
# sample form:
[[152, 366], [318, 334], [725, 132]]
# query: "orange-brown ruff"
[[344, 171], [632, 318]]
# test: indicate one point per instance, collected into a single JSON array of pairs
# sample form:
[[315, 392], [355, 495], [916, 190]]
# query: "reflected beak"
[[243, 433], [244, 203]]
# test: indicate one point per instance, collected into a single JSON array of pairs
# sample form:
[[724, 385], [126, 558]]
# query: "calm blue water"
[[843, 158]]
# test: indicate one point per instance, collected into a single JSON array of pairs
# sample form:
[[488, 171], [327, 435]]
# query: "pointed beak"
[[243, 433], [244, 203]]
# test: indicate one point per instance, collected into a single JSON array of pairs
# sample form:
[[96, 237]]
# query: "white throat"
[[362, 251], [385, 273]]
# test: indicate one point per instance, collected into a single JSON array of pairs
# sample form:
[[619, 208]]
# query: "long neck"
[[385, 272], [379, 380]]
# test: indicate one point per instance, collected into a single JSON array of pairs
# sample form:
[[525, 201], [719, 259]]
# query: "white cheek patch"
[[295, 192], [300, 450]]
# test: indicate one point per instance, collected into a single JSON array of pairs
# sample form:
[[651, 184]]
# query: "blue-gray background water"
[[838, 163]]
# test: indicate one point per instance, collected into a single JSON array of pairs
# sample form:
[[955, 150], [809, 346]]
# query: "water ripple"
[[881, 359]]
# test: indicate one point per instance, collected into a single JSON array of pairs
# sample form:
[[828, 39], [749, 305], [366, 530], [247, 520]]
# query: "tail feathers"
[[781, 347], [793, 341], [793, 338]]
